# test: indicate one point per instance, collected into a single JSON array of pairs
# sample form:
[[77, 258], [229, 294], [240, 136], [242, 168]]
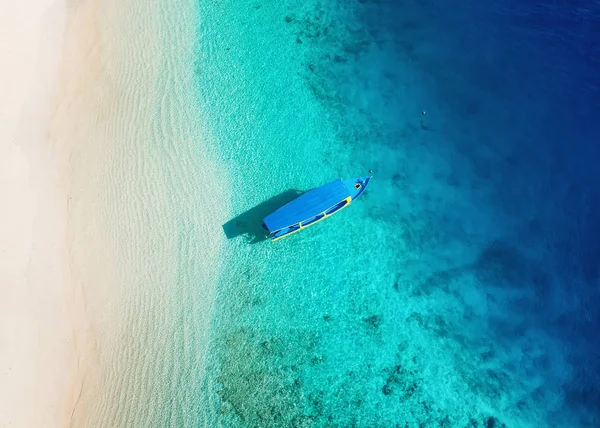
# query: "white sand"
[[99, 170], [43, 327]]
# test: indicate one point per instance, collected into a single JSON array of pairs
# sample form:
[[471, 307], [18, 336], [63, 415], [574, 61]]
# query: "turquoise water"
[[435, 299]]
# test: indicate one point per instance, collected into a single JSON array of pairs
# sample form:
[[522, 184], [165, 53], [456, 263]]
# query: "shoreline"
[[144, 246], [43, 325]]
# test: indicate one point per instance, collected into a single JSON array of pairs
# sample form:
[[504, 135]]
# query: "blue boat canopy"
[[308, 205]]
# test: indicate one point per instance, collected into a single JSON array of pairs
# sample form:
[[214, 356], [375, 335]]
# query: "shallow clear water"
[[459, 290], [143, 169]]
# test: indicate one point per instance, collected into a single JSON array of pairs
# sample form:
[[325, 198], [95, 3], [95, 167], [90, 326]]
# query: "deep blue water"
[[514, 89], [466, 294]]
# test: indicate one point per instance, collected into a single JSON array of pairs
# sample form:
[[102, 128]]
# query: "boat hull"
[[313, 207]]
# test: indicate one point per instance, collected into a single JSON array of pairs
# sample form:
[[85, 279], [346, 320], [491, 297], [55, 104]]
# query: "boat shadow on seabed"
[[249, 222]]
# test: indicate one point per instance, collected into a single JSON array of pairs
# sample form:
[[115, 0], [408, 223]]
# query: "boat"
[[313, 206]]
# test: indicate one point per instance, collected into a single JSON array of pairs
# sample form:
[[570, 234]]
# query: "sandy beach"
[[102, 179], [43, 326]]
